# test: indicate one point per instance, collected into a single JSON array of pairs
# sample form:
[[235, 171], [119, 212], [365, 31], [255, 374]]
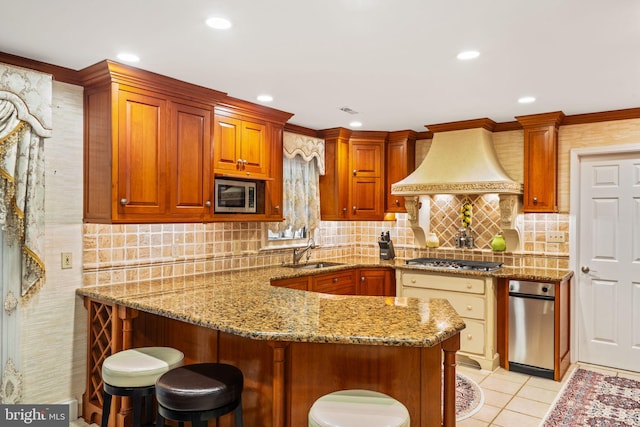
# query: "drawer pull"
[[469, 308], [469, 337], [335, 280], [469, 286], [413, 280]]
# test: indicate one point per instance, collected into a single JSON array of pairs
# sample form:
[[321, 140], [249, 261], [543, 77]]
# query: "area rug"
[[594, 399], [469, 397]]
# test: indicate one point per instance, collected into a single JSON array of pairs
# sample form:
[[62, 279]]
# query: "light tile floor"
[[510, 399], [514, 399]]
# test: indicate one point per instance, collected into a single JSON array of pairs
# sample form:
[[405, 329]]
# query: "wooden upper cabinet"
[[353, 185], [366, 162], [400, 162], [141, 155], [240, 148], [541, 161], [191, 178], [334, 184], [148, 147]]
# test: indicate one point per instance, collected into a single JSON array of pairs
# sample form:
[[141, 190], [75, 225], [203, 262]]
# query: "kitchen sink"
[[314, 265]]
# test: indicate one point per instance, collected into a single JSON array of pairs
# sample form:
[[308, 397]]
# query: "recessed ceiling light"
[[526, 100], [128, 57], [264, 98], [355, 124], [219, 23], [468, 54]]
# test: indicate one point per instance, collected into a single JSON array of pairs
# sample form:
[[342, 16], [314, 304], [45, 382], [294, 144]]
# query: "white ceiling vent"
[[348, 110]]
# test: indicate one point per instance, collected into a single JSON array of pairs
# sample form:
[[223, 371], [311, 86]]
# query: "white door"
[[609, 261]]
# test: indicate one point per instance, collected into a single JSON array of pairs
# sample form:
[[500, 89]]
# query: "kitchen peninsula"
[[292, 346]]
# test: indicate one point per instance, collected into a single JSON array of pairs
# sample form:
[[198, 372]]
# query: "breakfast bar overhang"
[[292, 346]]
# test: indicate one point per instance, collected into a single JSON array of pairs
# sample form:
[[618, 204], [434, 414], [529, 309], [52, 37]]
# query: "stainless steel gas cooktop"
[[455, 264]]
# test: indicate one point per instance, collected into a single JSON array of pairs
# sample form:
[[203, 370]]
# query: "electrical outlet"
[[66, 260], [555, 236]]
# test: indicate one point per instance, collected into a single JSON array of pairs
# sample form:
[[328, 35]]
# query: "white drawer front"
[[472, 337], [467, 305], [445, 282]]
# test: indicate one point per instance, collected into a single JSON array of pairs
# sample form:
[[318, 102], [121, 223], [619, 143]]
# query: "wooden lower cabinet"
[[336, 283], [281, 379], [374, 281], [300, 283]]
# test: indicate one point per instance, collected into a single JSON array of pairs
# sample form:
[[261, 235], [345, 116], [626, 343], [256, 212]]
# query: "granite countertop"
[[244, 303]]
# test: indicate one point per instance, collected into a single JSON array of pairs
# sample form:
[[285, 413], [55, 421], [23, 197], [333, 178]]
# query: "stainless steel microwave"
[[233, 196]]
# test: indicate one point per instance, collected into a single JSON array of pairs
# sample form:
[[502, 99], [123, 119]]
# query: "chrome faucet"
[[299, 252]]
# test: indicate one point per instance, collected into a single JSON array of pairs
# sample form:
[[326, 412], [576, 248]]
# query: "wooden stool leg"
[[106, 408]]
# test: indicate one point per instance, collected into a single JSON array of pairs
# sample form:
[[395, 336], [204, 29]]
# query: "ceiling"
[[394, 62]]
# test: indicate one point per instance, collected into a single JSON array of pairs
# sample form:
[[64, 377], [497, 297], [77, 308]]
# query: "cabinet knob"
[[344, 210], [335, 280], [535, 200], [277, 207], [208, 203], [123, 201], [354, 209], [355, 172], [244, 162], [585, 269], [397, 202], [413, 280], [362, 279], [469, 285], [469, 308], [469, 337]]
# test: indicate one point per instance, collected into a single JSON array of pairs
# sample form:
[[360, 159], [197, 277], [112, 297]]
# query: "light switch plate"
[[555, 237]]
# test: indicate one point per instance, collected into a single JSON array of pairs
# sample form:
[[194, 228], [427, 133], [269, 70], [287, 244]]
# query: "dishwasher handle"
[[530, 296]]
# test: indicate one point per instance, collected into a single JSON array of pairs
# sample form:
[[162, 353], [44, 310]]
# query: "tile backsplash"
[[168, 250]]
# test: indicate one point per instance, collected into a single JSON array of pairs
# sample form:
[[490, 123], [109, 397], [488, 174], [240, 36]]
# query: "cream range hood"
[[461, 160]]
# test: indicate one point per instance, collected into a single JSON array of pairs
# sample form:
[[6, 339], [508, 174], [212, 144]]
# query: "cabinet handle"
[[397, 202], [123, 201], [354, 209], [335, 280], [413, 280], [469, 337], [244, 162], [277, 207], [535, 200], [362, 279], [208, 203], [355, 172], [469, 308], [344, 210], [469, 285]]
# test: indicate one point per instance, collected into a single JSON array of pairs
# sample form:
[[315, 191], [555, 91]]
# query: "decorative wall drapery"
[[303, 164], [25, 120]]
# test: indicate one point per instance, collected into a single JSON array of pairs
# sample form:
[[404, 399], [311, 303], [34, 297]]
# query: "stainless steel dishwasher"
[[531, 328]]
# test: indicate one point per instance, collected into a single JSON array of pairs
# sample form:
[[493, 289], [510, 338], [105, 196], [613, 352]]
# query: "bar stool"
[[358, 408], [133, 373], [200, 392]]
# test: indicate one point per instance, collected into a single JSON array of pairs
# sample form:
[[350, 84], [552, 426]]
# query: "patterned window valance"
[[306, 147]]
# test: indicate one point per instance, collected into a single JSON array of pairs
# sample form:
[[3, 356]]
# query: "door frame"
[[576, 157]]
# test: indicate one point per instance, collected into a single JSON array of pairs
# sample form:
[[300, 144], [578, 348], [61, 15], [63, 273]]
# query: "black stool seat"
[[199, 392]]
